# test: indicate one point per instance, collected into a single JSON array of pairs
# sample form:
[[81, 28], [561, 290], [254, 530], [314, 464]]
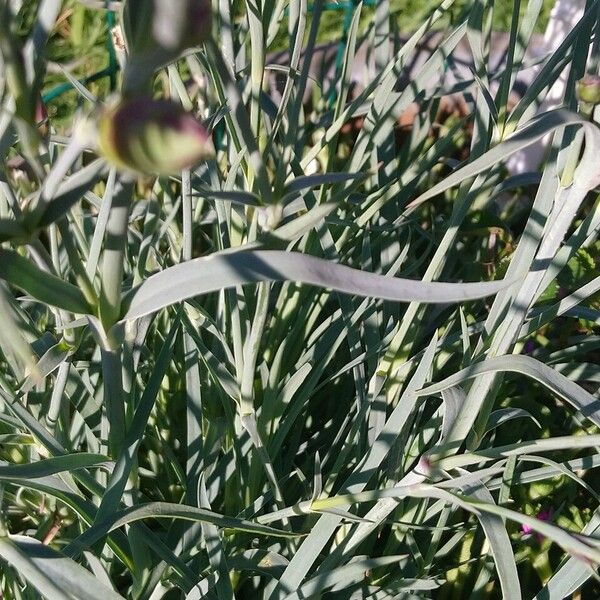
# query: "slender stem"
[[257, 62], [195, 461], [114, 253], [110, 306], [186, 208], [56, 399], [113, 397]]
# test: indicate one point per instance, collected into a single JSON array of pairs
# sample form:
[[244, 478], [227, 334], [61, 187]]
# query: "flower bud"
[[588, 89], [157, 32], [41, 117], [152, 137], [166, 26]]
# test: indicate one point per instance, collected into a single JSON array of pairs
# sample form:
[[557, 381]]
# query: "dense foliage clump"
[[305, 324]]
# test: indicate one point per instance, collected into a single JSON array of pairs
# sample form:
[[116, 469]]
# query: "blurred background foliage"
[[79, 42]]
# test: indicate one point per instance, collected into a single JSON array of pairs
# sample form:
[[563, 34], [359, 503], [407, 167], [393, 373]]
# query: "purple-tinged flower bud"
[[529, 347], [152, 136], [543, 515], [588, 89], [41, 117]]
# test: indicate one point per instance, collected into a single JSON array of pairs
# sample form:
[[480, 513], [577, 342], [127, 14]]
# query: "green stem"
[[56, 399], [113, 397], [186, 208], [114, 253], [257, 63], [110, 307]]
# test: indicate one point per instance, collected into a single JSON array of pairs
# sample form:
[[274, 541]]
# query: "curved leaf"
[[11, 229], [49, 289], [503, 415], [235, 196], [54, 575], [586, 403], [51, 466], [304, 182], [497, 537], [587, 175], [573, 574], [72, 190], [219, 271], [167, 510]]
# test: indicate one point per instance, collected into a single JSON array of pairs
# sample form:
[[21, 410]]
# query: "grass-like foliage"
[[269, 332]]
